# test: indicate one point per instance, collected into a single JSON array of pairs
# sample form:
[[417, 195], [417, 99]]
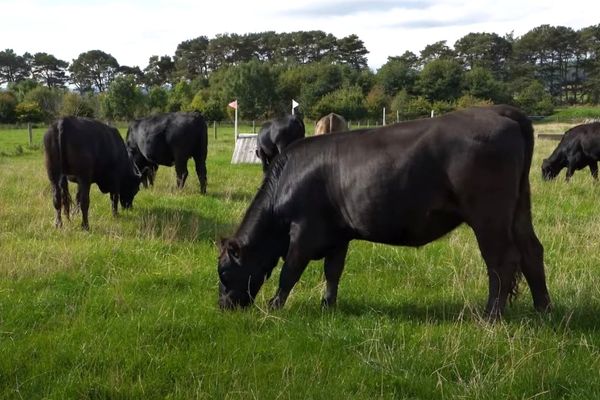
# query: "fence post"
[[30, 134], [215, 128], [253, 126]]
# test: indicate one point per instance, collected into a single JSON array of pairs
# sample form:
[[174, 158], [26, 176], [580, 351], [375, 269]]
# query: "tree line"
[[545, 67]]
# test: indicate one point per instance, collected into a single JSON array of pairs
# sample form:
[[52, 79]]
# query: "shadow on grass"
[[584, 318], [438, 312], [179, 225]]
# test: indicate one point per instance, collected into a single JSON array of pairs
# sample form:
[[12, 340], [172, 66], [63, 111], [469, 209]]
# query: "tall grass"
[[128, 310]]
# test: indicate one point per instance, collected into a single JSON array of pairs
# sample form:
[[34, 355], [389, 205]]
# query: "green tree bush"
[[30, 111], [124, 99], [8, 104], [535, 100]]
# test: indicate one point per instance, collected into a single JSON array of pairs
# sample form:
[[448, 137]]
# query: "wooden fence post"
[[30, 134], [215, 128]]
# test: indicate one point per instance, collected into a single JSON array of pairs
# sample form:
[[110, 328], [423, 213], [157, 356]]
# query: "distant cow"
[[332, 122], [405, 184], [578, 148], [275, 135], [167, 139], [86, 151]]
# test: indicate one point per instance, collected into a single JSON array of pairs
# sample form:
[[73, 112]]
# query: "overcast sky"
[[134, 30]]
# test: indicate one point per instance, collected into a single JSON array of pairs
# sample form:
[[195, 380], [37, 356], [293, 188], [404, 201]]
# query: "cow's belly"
[[407, 230]]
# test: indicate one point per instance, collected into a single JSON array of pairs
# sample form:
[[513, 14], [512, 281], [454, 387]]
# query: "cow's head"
[[242, 272], [130, 185], [550, 169]]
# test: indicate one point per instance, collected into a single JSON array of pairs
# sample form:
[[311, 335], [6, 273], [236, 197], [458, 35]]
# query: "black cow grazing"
[[86, 151], [578, 148], [405, 184], [275, 135], [167, 139]]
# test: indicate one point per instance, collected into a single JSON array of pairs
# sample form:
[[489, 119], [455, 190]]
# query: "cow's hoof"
[[275, 303], [328, 303], [543, 308]]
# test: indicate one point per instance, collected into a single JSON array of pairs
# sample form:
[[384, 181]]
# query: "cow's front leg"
[[594, 169], [114, 199], [570, 172], [290, 274], [333, 266]]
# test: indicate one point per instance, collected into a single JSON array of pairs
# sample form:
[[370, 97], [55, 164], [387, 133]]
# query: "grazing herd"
[[404, 184]]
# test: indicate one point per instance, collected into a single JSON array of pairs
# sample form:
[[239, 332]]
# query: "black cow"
[[167, 139], [86, 151], [275, 135], [578, 148], [405, 184]]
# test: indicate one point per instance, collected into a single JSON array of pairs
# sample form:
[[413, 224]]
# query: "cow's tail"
[[67, 202], [522, 225], [526, 128]]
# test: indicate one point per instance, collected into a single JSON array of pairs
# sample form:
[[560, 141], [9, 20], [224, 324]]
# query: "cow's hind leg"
[[57, 202], [83, 195], [181, 171], [200, 163], [532, 253], [333, 266], [594, 169], [65, 196], [502, 257]]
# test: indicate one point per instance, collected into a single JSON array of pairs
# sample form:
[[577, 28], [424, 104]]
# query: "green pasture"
[[128, 310]]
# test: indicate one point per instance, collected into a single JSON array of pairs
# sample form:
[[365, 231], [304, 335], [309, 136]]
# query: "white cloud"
[[133, 30]]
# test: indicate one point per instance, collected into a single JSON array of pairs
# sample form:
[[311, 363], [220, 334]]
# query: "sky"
[[134, 30]]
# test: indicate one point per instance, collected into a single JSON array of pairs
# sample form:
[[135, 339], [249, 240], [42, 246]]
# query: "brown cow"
[[332, 122]]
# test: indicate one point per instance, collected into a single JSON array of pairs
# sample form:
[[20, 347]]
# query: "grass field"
[[128, 310]]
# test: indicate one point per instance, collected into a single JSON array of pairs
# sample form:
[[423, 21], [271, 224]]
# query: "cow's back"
[[373, 182], [584, 138], [161, 137], [89, 147]]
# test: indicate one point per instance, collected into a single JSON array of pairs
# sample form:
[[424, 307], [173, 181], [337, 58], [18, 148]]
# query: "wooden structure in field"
[[245, 149]]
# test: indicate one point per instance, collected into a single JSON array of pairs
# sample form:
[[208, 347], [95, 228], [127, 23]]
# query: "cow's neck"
[[259, 222]]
